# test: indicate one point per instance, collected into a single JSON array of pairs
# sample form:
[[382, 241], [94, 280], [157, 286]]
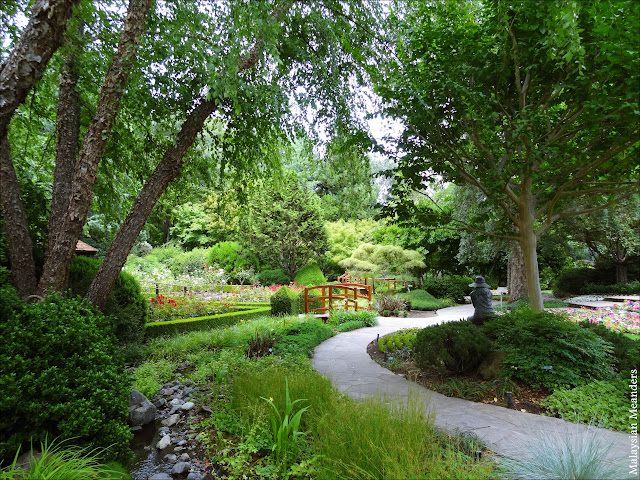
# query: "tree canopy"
[[535, 104]]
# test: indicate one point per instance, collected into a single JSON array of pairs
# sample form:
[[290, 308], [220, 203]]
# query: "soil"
[[525, 398]]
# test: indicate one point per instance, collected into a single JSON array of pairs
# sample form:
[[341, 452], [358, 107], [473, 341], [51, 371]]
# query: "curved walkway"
[[344, 360]]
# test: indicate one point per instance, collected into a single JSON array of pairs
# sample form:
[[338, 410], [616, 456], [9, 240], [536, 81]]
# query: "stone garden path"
[[344, 360]]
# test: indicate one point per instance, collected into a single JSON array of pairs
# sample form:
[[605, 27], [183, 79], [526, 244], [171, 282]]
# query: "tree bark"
[[621, 272], [67, 137], [517, 279], [166, 171], [23, 267], [18, 73], [56, 267], [528, 243]]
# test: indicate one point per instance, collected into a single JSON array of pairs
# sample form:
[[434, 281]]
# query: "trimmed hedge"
[[284, 302], [310, 276], [273, 277], [174, 327]]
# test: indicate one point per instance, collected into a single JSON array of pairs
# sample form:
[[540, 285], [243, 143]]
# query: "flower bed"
[[163, 308], [257, 293], [621, 318]]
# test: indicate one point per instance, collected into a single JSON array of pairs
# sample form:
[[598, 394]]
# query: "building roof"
[[84, 247]]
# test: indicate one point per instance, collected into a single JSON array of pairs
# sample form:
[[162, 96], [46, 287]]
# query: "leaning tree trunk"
[[22, 68], [56, 267], [517, 279], [166, 171]]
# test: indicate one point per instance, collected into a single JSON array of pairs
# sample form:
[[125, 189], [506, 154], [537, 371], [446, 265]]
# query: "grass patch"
[[423, 300]]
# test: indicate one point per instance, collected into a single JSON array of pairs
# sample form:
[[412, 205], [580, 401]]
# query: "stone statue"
[[481, 299]]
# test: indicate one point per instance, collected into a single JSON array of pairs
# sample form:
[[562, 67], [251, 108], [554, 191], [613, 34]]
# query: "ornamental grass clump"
[[562, 455]]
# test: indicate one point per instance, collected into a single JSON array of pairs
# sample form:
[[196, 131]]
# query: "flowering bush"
[[163, 308], [621, 318]]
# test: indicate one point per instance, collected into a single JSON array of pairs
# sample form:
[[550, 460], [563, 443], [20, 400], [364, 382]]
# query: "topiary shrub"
[[126, 306], [61, 376], [546, 349], [310, 276], [10, 302], [457, 347], [454, 287], [273, 277], [284, 302]]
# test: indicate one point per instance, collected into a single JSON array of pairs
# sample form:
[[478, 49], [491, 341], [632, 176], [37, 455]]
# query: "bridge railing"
[[338, 295]]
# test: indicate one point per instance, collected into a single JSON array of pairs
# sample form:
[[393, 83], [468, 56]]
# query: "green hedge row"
[[173, 327]]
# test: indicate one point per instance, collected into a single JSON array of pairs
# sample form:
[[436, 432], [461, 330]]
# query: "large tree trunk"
[[621, 272], [166, 171], [23, 267], [528, 243], [67, 136], [22, 68], [56, 267], [517, 278]]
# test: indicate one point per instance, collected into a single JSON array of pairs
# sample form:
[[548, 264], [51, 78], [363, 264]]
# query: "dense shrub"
[[625, 350], [454, 347], [454, 287], [126, 306], [605, 403], [9, 302], [367, 317], [284, 302], [61, 375], [189, 263], [232, 256], [545, 349], [5, 276], [302, 338], [526, 303], [631, 288], [422, 300], [273, 277], [310, 276], [572, 281]]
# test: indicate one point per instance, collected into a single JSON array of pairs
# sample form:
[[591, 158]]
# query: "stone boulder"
[[141, 410]]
